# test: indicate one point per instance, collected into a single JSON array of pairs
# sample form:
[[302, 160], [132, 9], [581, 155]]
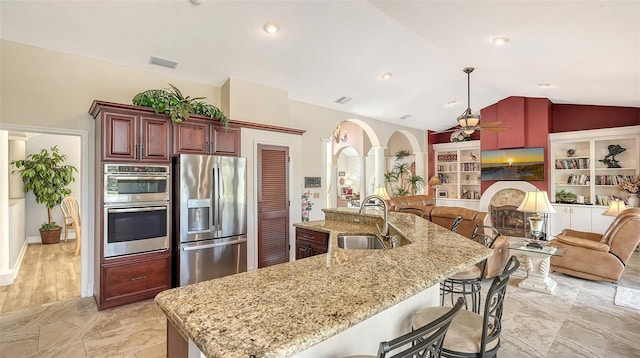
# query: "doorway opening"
[[31, 273]]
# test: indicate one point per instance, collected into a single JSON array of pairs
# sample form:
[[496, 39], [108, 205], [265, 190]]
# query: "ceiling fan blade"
[[491, 124], [495, 129]]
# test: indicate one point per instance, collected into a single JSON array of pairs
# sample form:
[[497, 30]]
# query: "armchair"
[[599, 257]]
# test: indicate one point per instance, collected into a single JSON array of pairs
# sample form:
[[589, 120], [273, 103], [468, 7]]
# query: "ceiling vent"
[[163, 62], [343, 100], [405, 117]]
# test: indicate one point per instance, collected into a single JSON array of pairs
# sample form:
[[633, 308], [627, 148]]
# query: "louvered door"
[[273, 205]]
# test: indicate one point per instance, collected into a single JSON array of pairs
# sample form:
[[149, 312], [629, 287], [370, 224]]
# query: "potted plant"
[[44, 174], [172, 102], [402, 178]]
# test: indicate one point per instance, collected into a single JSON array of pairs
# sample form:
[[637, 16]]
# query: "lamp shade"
[[536, 202], [434, 181], [381, 192], [615, 208]]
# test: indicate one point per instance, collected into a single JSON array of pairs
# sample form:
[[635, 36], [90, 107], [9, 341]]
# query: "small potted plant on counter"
[[44, 174]]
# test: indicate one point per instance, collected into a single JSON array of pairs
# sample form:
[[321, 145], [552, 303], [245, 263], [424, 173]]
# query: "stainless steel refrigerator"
[[210, 217]]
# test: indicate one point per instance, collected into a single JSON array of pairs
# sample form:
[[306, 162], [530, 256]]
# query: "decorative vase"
[[634, 201]]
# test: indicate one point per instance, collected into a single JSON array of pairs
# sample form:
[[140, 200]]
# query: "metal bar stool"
[[422, 342], [468, 283], [471, 334]]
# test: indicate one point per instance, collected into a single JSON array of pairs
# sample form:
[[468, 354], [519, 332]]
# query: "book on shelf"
[[578, 179], [578, 163], [611, 179]]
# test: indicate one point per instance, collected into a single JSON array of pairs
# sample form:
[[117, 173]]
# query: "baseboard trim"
[[38, 240], [8, 278]]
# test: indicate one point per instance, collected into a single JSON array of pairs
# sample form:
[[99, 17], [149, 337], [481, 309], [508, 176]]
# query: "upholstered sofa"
[[599, 257], [424, 206]]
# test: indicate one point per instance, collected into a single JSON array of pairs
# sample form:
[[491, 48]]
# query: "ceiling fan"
[[469, 122]]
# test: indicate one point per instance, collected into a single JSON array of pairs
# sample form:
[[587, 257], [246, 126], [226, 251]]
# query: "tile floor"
[[580, 320]]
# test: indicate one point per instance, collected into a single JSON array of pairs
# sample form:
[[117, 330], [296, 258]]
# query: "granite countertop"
[[284, 309]]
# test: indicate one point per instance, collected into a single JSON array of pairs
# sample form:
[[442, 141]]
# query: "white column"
[[363, 177], [380, 167], [421, 169], [4, 202], [325, 200]]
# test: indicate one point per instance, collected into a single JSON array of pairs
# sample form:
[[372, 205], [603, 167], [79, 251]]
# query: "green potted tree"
[[44, 174], [402, 179]]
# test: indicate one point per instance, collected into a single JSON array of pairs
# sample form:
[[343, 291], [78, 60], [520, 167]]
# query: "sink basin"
[[359, 242]]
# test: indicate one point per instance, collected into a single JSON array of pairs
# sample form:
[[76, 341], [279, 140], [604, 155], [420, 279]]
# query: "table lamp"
[[537, 202], [381, 191], [434, 182], [615, 207]]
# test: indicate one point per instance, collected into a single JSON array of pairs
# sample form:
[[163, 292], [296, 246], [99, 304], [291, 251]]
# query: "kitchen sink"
[[359, 242]]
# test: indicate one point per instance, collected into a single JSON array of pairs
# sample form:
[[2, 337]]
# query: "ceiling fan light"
[[469, 120], [469, 131]]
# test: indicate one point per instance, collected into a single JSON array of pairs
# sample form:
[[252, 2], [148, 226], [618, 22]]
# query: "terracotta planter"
[[50, 236]]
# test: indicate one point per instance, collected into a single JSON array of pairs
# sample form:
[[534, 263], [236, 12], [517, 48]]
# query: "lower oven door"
[[134, 229]]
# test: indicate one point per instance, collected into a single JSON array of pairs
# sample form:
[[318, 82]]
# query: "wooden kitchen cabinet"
[[198, 136], [310, 243], [128, 136], [134, 278]]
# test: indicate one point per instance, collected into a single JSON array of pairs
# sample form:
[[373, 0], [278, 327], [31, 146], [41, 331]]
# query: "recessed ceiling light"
[[545, 85], [163, 62], [343, 99], [451, 103], [405, 117], [271, 27], [386, 75], [500, 40]]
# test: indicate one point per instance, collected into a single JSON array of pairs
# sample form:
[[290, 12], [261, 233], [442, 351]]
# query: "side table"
[[538, 264]]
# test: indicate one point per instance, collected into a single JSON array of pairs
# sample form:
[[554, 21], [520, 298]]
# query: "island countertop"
[[284, 309]]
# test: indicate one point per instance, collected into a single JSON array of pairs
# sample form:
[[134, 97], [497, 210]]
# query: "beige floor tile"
[[126, 340], [18, 345], [157, 351]]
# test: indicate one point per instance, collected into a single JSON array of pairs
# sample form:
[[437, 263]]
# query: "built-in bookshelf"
[[590, 164], [458, 167]]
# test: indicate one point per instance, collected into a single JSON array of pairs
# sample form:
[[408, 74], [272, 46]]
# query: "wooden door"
[[155, 138], [273, 205]]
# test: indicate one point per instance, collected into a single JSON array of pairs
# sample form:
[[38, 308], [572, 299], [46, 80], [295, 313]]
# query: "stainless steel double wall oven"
[[137, 210]]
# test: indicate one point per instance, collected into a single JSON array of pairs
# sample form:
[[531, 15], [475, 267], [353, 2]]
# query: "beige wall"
[[53, 89]]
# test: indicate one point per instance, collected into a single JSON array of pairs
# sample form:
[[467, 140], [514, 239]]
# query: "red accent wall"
[[577, 117], [530, 120]]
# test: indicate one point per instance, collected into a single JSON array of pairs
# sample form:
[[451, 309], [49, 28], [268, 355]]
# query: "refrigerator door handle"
[[204, 247]]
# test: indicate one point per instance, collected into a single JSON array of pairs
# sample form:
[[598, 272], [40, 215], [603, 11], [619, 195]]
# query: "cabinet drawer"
[[312, 236], [136, 277]]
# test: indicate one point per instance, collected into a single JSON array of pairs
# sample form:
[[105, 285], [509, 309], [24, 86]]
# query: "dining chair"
[[71, 210]]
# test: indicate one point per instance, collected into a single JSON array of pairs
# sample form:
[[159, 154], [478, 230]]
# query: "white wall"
[[4, 203]]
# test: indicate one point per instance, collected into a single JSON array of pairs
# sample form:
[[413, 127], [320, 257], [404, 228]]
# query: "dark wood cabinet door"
[[119, 136], [310, 243], [191, 137], [302, 251], [154, 139], [225, 141]]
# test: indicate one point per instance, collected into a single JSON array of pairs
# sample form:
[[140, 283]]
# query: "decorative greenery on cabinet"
[[172, 102]]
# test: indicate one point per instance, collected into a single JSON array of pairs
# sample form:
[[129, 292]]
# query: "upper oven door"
[[135, 187]]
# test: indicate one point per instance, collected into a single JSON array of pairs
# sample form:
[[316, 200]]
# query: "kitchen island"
[[282, 310]]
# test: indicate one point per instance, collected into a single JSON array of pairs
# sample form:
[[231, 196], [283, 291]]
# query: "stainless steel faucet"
[[385, 230]]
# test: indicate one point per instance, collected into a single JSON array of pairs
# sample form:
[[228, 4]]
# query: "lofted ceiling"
[[588, 51]]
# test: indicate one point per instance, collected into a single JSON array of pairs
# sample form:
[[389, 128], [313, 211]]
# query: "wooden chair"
[[71, 210]]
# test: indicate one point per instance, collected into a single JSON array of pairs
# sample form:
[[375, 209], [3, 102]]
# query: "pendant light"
[[467, 118]]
